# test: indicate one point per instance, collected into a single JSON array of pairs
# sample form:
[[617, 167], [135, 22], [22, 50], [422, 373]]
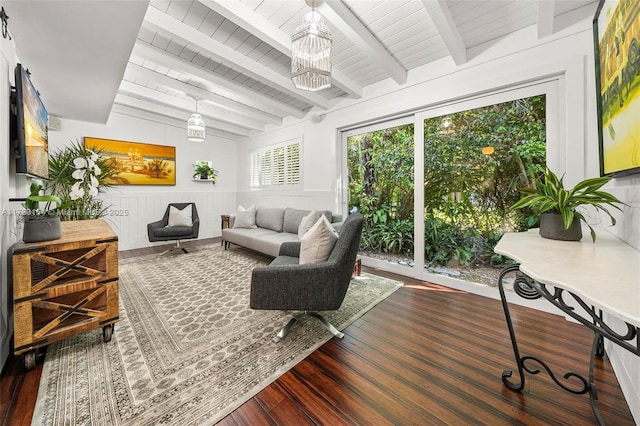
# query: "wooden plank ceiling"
[[233, 57]]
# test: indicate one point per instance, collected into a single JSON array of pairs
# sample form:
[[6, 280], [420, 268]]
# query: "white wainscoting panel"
[[129, 213]]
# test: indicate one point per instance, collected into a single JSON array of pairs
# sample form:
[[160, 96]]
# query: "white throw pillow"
[[316, 245], [245, 218], [307, 222], [179, 217]]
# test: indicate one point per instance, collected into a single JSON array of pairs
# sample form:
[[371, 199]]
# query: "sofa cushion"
[[244, 236], [316, 245], [328, 214], [307, 222], [270, 218], [174, 231], [178, 217], [245, 218], [270, 243], [292, 219], [259, 239]]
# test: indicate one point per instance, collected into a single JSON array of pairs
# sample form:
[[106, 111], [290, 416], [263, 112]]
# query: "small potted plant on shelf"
[[40, 225], [204, 171], [556, 205]]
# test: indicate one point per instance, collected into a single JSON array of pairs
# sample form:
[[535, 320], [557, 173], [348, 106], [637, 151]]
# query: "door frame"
[[555, 157], [554, 87]]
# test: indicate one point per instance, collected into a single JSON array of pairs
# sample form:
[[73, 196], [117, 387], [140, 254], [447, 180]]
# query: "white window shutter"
[[265, 168], [278, 165], [293, 164]]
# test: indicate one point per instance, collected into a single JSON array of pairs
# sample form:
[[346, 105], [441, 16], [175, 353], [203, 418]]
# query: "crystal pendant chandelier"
[[195, 127], [311, 52]]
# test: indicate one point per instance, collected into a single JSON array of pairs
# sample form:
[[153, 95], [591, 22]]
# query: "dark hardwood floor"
[[425, 355]]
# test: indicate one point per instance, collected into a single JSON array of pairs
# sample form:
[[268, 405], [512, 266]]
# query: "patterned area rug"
[[187, 349]]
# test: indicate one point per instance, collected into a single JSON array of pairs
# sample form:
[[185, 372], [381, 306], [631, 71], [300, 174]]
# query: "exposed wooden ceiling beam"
[[160, 57], [181, 107], [546, 16], [246, 18], [129, 107], [442, 19], [338, 14], [248, 117], [163, 23]]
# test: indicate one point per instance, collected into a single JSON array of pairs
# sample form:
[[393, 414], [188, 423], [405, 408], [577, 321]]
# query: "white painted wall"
[[567, 57], [143, 204], [318, 169], [132, 207], [8, 236], [627, 228], [493, 69], [518, 58]]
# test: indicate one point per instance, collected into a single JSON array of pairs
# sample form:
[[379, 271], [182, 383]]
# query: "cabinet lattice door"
[[65, 287]]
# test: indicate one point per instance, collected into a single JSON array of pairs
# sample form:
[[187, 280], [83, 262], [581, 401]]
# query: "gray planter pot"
[[552, 227], [41, 228]]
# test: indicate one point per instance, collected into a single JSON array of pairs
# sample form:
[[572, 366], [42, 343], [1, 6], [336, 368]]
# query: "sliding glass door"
[[379, 166], [470, 158], [474, 163]]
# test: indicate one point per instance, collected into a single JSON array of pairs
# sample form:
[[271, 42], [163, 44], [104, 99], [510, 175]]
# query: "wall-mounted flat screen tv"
[[616, 29], [31, 132]]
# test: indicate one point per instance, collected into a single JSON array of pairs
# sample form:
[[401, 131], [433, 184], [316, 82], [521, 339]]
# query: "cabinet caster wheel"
[[30, 360], [107, 332]]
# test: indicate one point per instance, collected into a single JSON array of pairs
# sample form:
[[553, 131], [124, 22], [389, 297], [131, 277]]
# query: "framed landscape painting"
[[137, 163], [616, 29]]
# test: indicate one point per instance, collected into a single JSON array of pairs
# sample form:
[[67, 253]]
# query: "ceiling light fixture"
[[195, 127], [311, 52]]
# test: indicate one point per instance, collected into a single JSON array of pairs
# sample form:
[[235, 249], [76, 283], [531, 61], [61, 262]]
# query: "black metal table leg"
[[525, 288], [506, 374], [597, 350]]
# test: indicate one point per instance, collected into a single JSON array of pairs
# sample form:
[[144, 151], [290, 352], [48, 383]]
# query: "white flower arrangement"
[[77, 174], [85, 174]]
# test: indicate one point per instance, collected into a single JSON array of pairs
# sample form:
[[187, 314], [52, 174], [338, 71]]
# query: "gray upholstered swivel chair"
[[159, 231], [287, 285]]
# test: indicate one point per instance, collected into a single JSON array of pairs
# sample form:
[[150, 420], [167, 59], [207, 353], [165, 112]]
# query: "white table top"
[[605, 274]]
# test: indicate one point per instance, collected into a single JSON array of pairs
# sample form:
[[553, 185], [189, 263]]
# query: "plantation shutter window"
[[276, 166], [293, 164], [265, 168]]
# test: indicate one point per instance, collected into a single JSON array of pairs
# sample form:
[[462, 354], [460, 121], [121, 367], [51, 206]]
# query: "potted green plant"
[[202, 170], [557, 206], [40, 225], [77, 174]]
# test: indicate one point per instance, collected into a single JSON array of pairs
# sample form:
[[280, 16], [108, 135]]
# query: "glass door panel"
[[474, 163], [470, 157], [380, 166]]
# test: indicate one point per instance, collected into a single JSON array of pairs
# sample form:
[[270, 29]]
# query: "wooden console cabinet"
[[65, 287]]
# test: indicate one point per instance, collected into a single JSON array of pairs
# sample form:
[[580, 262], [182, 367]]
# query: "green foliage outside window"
[[381, 187], [467, 193]]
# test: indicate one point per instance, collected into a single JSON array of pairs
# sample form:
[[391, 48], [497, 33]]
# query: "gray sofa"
[[274, 226]]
